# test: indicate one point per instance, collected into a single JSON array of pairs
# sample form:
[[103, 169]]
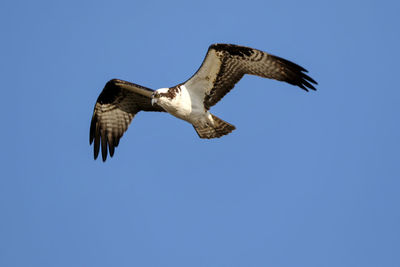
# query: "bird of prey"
[[223, 66]]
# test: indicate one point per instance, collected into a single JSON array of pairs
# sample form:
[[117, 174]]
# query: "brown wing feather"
[[115, 108], [235, 61]]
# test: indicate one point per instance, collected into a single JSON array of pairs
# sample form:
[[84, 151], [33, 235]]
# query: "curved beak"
[[153, 101]]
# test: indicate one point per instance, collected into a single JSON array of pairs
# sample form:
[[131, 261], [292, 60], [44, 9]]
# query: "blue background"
[[307, 179]]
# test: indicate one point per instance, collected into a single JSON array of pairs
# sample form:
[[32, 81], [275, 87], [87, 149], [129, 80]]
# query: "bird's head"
[[157, 94]]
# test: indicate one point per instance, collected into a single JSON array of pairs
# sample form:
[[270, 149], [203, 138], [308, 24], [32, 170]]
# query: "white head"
[[155, 97]]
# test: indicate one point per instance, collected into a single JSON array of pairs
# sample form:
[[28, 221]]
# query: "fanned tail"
[[220, 128]]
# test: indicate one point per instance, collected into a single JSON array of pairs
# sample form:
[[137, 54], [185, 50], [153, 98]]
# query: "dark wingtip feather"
[[103, 145], [309, 85], [104, 141], [111, 147], [96, 148], [116, 141], [308, 81], [290, 64], [297, 75], [302, 87], [308, 78], [92, 129]]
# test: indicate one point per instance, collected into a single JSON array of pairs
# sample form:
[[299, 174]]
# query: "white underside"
[[187, 106]]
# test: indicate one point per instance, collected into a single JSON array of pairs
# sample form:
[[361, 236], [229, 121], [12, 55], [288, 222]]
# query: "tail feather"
[[218, 129]]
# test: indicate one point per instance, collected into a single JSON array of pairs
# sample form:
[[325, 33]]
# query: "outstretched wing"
[[115, 108], [225, 64]]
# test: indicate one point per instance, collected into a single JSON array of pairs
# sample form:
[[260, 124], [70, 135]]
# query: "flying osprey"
[[223, 66]]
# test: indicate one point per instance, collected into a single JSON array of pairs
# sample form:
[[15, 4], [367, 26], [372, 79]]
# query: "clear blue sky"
[[307, 179]]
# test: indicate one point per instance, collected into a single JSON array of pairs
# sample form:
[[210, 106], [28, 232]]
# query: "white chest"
[[184, 104]]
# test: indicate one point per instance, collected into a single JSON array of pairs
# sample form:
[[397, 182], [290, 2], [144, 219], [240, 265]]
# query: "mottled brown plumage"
[[236, 61], [115, 108]]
